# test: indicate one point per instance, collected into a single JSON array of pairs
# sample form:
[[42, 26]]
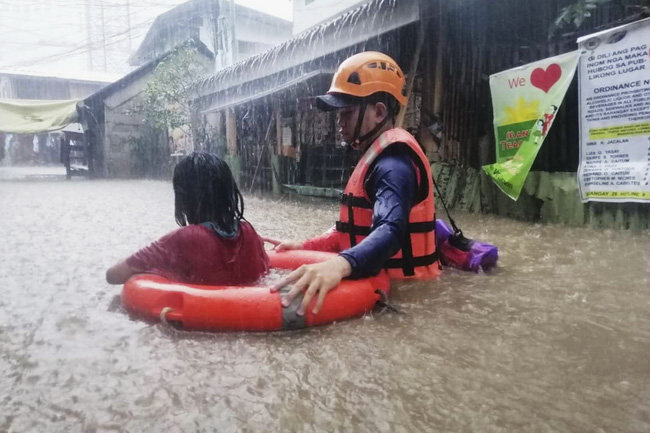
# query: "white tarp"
[[24, 116]]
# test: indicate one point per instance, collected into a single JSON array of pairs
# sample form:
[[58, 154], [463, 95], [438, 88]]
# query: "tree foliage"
[[166, 106], [168, 96], [575, 14]]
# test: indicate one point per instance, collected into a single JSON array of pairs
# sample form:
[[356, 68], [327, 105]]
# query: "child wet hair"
[[205, 191]]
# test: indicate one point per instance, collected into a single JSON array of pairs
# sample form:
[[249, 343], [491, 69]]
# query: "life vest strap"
[[422, 227], [346, 228], [417, 262], [351, 227], [408, 267], [351, 200]]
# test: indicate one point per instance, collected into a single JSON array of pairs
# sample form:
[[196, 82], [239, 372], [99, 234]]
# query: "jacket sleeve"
[[391, 185]]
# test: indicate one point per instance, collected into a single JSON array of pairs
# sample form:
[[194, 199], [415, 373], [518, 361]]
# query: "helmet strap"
[[357, 129], [374, 130]]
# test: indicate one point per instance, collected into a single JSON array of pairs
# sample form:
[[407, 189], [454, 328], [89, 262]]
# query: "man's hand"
[[283, 245], [317, 278]]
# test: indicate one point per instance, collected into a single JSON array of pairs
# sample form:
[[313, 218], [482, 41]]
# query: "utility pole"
[[101, 8], [233, 39], [128, 23], [89, 36]]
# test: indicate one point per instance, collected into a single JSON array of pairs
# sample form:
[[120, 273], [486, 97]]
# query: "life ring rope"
[[163, 315]]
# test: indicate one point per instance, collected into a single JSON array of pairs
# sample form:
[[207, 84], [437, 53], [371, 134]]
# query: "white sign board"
[[615, 114]]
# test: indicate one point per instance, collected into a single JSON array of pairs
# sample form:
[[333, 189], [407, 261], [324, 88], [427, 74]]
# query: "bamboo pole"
[[437, 92]]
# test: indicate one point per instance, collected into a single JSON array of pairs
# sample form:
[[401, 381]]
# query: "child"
[[215, 244]]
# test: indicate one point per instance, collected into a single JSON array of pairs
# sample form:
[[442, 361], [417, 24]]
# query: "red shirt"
[[197, 255]]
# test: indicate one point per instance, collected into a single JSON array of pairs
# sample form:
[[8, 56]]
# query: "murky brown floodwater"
[[557, 339]]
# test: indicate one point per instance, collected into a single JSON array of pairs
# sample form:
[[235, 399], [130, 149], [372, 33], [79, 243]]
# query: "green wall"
[[546, 198]]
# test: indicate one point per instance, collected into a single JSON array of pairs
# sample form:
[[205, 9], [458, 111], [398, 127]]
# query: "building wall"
[[253, 27], [546, 198], [121, 125], [255, 32], [308, 13], [6, 89]]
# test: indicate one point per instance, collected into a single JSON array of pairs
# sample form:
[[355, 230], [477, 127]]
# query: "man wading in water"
[[387, 210]]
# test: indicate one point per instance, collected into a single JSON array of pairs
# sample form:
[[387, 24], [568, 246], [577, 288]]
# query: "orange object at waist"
[[248, 308]]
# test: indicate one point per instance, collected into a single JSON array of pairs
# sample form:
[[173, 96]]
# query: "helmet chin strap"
[[356, 140], [357, 128]]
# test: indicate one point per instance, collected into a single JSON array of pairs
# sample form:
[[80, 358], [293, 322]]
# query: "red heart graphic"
[[545, 79]]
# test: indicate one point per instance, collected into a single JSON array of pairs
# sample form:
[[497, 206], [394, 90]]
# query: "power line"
[[87, 45], [91, 43]]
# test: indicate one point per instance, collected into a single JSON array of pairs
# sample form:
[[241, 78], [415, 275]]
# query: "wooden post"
[[231, 145], [231, 132], [437, 93], [278, 130], [412, 71], [215, 120]]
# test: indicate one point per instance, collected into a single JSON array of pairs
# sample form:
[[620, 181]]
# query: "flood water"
[[557, 339]]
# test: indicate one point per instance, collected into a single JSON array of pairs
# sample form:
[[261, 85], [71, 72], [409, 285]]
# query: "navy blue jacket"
[[391, 185]]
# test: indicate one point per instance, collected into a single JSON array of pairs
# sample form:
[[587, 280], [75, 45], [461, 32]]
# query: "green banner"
[[525, 102]]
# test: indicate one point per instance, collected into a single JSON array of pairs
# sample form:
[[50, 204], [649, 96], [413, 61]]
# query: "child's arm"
[[328, 241], [119, 273], [160, 257]]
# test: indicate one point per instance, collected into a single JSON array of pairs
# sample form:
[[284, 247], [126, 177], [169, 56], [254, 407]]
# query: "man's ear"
[[381, 110]]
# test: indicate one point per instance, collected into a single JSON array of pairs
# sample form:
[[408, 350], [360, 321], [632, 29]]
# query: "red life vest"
[[417, 257]]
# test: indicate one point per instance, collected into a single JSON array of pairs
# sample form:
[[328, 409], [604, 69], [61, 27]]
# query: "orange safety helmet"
[[362, 75]]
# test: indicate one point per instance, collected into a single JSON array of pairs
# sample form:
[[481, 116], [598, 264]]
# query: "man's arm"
[[393, 176], [158, 257]]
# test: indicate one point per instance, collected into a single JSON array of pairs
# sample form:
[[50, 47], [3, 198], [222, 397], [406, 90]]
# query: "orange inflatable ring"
[[248, 308]]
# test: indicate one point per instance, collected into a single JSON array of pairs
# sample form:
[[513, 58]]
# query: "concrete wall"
[[263, 31], [308, 13], [546, 198]]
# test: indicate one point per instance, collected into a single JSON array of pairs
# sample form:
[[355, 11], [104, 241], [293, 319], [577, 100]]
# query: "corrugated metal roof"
[[68, 75], [238, 99]]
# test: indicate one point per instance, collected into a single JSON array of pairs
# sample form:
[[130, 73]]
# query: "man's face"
[[347, 121]]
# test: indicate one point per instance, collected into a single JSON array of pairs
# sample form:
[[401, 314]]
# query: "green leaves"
[[168, 95]]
